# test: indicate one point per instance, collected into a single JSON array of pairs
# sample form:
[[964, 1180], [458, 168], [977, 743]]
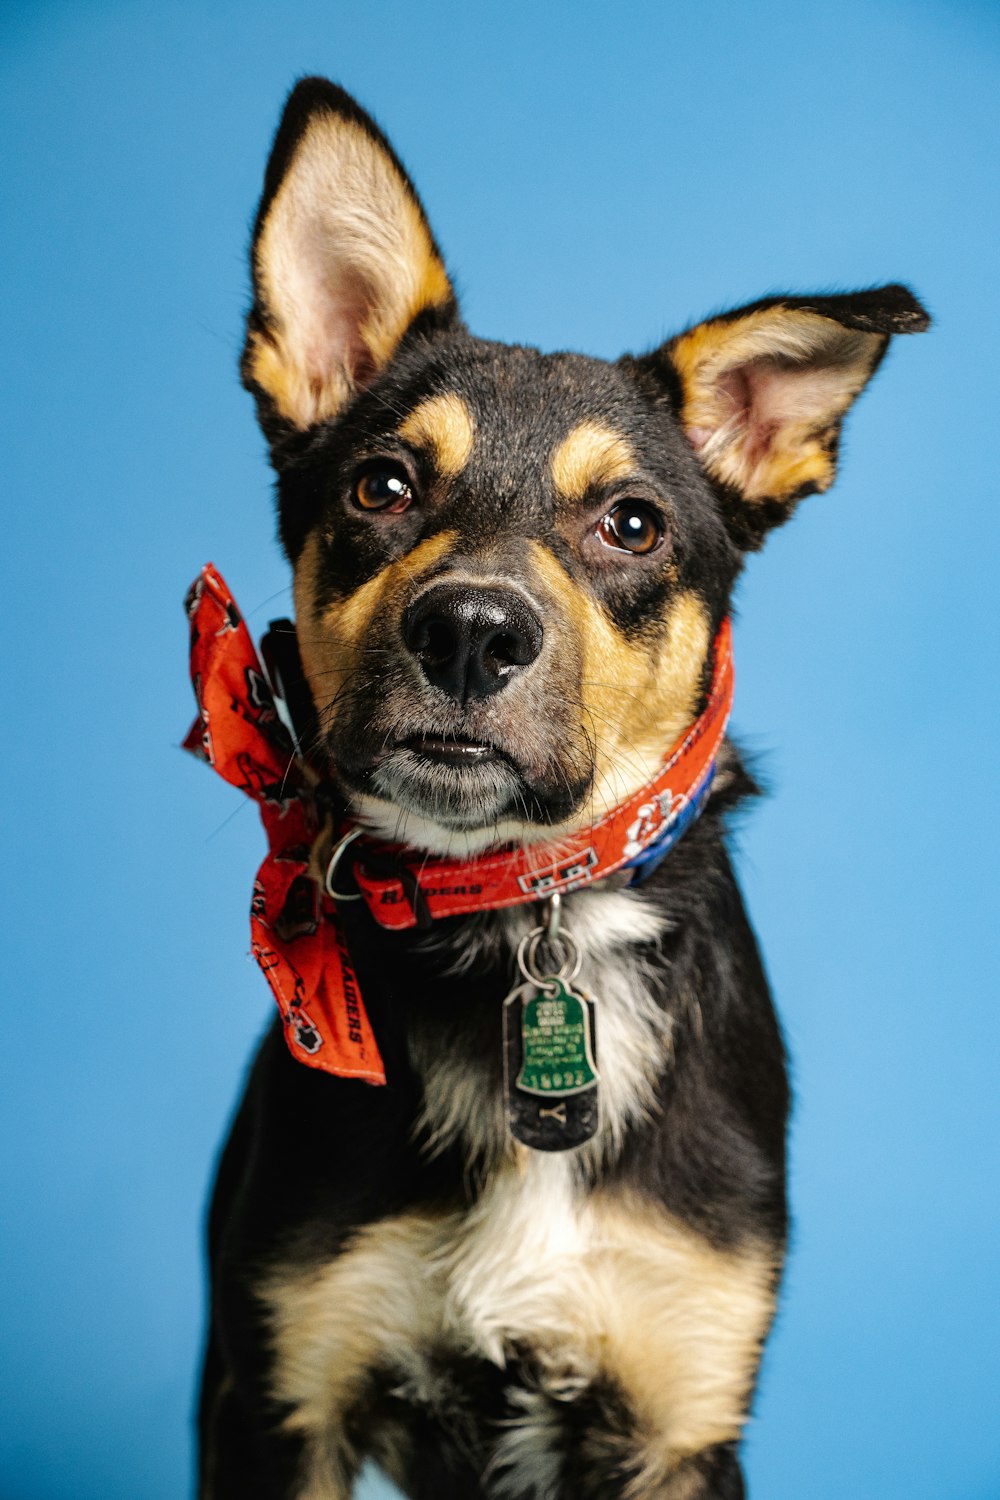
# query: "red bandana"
[[295, 936]]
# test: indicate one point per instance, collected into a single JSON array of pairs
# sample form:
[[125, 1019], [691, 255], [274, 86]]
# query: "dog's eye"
[[383, 486], [631, 527]]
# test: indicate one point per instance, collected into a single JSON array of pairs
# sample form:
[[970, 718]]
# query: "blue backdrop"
[[598, 175]]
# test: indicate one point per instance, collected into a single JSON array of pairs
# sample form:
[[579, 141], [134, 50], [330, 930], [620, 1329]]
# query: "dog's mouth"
[[459, 782], [453, 750]]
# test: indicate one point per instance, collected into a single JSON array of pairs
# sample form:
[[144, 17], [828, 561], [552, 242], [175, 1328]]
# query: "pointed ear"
[[343, 261], [763, 392]]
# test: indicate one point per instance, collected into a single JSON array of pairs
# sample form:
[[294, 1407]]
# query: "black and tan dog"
[[510, 571]]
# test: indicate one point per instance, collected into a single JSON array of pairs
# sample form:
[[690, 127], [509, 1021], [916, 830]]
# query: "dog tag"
[[550, 1067], [557, 1056]]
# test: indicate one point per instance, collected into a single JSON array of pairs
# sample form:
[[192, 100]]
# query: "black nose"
[[470, 642]]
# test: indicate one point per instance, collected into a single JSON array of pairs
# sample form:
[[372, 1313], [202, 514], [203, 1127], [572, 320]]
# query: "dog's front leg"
[[248, 1454], [714, 1474], [612, 1463], [249, 1450]]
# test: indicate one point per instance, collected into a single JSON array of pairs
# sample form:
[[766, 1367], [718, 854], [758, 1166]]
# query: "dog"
[[541, 1258]]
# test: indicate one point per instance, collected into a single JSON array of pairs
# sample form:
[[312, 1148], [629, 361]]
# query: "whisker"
[[269, 600], [242, 805]]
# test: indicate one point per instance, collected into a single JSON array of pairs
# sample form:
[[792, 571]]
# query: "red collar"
[[295, 936]]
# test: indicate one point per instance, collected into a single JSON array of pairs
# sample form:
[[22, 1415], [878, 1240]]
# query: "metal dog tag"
[[550, 1080], [550, 1053], [557, 1049]]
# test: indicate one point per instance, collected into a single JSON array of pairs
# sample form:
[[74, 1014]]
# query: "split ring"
[[335, 858], [527, 956]]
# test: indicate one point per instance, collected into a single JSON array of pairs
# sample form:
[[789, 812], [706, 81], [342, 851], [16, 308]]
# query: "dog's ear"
[[762, 393], [343, 262]]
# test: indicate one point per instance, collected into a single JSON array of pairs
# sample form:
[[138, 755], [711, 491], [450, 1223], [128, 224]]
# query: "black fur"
[[311, 1159]]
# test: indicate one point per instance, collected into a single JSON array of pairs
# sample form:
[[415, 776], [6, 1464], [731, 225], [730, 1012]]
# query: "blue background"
[[598, 177]]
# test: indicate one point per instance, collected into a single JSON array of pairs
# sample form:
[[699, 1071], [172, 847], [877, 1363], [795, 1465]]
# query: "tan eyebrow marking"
[[444, 425], [590, 455]]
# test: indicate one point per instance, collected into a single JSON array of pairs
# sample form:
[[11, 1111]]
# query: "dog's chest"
[[582, 1288], [550, 1265], [410, 1294], [511, 1270]]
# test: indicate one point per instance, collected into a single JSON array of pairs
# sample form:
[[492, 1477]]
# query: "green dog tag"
[[557, 1051], [541, 1044]]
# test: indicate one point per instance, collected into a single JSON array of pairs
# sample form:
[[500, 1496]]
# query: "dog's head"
[[510, 567]]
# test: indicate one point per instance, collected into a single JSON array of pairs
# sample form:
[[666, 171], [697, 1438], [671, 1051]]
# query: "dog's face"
[[507, 597], [510, 567]]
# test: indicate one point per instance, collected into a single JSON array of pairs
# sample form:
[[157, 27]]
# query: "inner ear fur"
[[343, 261], [763, 390]]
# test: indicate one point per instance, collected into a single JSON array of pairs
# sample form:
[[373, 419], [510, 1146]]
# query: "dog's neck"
[[640, 963]]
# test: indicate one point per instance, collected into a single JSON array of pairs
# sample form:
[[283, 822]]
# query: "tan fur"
[[685, 1324], [332, 644], [595, 1287], [637, 698], [444, 425], [332, 1324], [801, 405], [343, 264], [588, 457]]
